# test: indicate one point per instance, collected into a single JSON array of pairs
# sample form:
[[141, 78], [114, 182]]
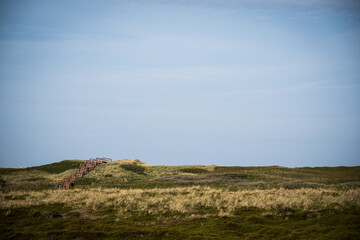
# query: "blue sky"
[[180, 82]]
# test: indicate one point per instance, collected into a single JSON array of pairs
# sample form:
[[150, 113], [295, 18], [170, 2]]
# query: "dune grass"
[[53, 168], [129, 199], [186, 200]]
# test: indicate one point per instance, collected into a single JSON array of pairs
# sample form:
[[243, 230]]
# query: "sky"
[[230, 82]]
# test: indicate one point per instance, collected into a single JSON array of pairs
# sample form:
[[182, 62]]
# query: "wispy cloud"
[[344, 5], [281, 90], [44, 33]]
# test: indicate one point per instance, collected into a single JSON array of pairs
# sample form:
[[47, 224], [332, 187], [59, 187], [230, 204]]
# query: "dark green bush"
[[85, 181], [58, 167], [34, 179], [238, 176], [53, 168], [133, 168], [19, 197], [302, 185], [2, 181], [194, 170]]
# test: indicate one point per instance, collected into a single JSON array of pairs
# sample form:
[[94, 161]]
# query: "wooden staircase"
[[83, 169]]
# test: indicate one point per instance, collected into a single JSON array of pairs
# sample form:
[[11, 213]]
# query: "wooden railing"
[[83, 169]]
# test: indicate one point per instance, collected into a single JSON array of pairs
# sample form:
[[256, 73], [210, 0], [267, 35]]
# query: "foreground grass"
[[129, 199], [61, 222], [185, 200]]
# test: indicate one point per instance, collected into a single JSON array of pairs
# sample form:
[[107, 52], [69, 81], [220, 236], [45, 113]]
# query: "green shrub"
[[18, 197], [133, 168], [302, 185], [58, 167], [193, 170], [85, 181], [53, 168], [2, 181], [34, 179], [73, 214]]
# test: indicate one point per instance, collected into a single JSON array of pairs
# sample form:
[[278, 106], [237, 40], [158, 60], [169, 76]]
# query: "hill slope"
[[126, 174]]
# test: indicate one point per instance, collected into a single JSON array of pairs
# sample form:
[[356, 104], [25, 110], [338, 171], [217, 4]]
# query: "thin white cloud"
[[348, 5], [267, 92]]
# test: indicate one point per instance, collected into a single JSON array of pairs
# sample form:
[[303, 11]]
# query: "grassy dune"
[[128, 199]]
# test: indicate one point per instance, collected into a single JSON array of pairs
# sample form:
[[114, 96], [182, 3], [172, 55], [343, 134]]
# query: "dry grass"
[[295, 193], [184, 200], [195, 201]]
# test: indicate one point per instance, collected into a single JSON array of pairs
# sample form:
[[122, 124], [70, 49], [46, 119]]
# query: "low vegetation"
[[193, 170], [129, 199], [133, 167], [53, 168]]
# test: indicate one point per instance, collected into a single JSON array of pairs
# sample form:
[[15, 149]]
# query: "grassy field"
[[128, 199]]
